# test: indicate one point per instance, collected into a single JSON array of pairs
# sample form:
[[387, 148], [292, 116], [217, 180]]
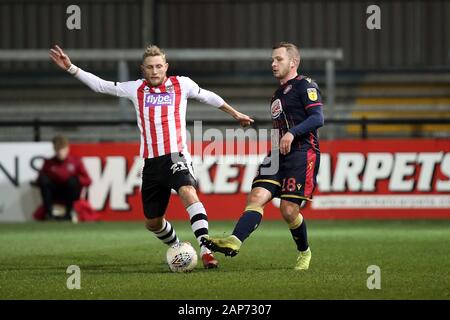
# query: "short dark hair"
[[60, 142]]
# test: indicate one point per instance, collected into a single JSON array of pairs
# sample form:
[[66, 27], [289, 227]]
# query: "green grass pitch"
[[124, 261]]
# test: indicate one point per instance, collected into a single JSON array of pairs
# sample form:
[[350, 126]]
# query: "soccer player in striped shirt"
[[296, 110], [160, 103]]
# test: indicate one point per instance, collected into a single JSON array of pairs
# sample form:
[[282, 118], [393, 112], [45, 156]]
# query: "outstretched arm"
[[213, 99], [62, 60], [243, 119]]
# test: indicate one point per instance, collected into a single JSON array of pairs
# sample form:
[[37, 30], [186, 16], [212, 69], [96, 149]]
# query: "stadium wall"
[[375, 179], [412, 35]]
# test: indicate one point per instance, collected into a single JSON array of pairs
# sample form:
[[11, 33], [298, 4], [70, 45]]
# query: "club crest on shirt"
[[159, 99], [276, 108], [312, 94], [170, 88], [146, 89], [287, 89]]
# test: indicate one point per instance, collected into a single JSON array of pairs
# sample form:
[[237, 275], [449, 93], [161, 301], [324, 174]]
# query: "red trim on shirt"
[[165, 124], [140, 95], [151, 114], [313, 105], [177, 89]]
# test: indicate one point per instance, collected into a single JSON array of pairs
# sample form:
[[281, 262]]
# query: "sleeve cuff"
[[292, 132]]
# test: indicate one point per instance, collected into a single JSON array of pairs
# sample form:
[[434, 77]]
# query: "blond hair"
[[60, 142], [153, 51], [291, 49]]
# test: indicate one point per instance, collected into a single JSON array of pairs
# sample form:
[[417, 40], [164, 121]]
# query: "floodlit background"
[[384, 73], [398, 71]]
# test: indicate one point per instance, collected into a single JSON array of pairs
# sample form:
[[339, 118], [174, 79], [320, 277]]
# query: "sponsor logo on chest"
[[276, 108], [159, 99]]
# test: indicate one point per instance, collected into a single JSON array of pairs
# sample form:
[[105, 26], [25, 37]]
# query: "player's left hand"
[[285, 143], [244, 119]]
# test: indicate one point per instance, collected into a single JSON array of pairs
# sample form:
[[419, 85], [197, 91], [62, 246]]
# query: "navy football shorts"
[[295, 179]]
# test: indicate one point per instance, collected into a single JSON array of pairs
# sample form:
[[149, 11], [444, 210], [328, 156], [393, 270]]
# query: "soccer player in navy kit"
[[296, 110]]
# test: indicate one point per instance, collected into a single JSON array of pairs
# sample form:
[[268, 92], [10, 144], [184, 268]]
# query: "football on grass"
[[181, 257]]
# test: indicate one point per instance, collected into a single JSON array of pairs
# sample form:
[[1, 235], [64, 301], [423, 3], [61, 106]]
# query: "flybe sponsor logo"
[[159, 99]]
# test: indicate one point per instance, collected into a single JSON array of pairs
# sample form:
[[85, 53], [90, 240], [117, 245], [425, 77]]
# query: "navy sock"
[[300, 236], [247, 223]]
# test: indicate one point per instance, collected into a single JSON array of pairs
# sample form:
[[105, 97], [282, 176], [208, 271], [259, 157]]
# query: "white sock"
[[199, 223], [167, 234]]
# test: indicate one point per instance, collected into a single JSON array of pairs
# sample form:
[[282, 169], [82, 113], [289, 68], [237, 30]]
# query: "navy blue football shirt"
[[296, 107]]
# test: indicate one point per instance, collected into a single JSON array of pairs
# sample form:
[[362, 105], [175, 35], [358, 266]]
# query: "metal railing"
[[37, 124], [123, 56]]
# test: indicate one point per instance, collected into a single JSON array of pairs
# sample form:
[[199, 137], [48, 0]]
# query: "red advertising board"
[[390, 179]]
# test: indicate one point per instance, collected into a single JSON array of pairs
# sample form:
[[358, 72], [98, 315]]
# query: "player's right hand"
[[285, 143], [60, 58]]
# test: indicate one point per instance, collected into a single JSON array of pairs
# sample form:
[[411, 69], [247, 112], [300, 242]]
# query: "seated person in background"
[[61, 179]]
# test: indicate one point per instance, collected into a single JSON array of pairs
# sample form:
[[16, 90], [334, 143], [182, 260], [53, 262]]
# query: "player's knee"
[[188, 195], [289, 210], [187, 190], [258, 197], [154, 224]]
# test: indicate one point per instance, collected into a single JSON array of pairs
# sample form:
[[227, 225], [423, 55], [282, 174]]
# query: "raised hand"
[[60, 58]]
